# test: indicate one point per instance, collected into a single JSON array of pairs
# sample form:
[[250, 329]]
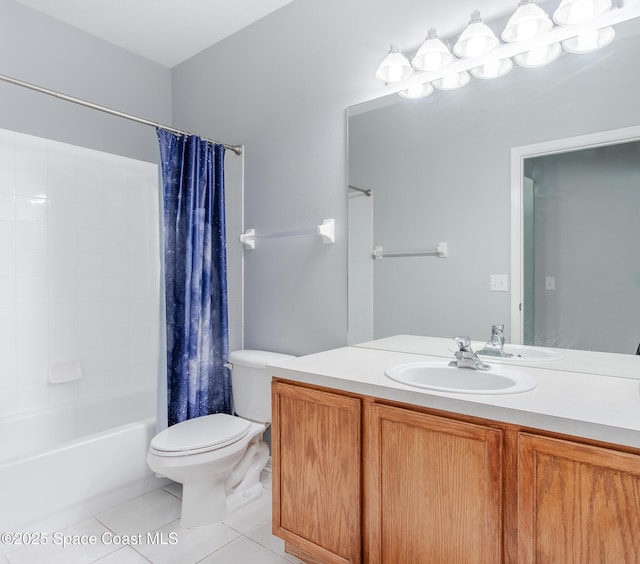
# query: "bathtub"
[[60, 466]]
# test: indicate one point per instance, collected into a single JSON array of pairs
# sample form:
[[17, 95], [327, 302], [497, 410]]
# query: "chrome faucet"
[[465, 357], [495, 345]]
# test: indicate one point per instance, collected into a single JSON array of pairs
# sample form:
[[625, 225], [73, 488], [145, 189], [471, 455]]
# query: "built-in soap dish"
[[62, 371]]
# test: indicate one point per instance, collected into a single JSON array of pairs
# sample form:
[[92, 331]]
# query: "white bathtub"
[[60, 466]]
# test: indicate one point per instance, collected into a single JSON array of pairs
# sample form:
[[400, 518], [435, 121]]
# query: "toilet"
[[218, 458]]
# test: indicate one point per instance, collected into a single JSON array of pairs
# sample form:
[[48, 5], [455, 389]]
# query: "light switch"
[[550, 283], [499, 283]]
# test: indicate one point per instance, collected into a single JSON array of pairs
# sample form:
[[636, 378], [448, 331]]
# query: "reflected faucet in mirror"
[[495, 344], [465, 357]]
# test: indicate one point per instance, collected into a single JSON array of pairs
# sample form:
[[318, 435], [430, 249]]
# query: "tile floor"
[[245, 537]]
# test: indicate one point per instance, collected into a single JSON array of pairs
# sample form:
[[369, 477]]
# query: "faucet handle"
[[463, 343], [499, 329]]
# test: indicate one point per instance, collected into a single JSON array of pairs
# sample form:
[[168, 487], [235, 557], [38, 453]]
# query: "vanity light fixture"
[[589, 41], [476, 40], [571, 12], [433, 55], [539, 56], [530, 40], [395, 67], [452, 81], [416, 91], [493, 69], [527, 22]]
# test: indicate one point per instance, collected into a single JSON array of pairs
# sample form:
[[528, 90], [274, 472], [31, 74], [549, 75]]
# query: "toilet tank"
[[251, 383]]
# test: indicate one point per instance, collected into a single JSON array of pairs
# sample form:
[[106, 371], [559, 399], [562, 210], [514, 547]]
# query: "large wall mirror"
[[439, 170]]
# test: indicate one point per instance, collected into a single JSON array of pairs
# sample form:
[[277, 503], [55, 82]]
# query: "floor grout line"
[[245, 523]]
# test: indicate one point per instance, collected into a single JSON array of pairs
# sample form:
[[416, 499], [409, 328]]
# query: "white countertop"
[[605, 408]]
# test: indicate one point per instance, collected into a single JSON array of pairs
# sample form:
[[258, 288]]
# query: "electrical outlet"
[[499, 283]]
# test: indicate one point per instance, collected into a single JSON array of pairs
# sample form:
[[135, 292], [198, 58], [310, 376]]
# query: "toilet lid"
[[201, 434]]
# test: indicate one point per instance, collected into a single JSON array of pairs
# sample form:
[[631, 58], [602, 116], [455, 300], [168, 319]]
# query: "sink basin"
[[441, 377], [521, 353]]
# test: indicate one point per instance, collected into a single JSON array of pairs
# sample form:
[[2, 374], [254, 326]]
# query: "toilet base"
[[237, 500], [208, 501], [203, 503]]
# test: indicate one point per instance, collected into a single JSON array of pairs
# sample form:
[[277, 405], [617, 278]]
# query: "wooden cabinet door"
[[577, 503], [433, 489], [316, 472]]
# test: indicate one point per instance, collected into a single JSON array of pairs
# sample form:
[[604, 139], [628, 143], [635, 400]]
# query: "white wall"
[[79, 270]]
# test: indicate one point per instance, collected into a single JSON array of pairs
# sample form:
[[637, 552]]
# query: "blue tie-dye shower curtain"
[[198, 382]]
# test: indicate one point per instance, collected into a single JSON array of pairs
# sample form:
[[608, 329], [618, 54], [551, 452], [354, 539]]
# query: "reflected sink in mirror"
[[441, 377], [521, 353]]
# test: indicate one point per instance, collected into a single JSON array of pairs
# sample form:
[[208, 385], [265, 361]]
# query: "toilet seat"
[[202, 434]]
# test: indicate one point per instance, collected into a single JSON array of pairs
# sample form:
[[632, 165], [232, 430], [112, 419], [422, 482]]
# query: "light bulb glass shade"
[[433, 55], [588, 41], [395, 67], [417, 91], [493, 69], [476, 40], [452, 81], [527, 22], [539, 56], [571, 12]]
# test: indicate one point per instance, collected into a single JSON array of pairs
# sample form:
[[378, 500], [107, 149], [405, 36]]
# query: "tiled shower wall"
[[79, 271]]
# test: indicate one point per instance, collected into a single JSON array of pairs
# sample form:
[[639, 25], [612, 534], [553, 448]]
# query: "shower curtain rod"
[[237, 149]]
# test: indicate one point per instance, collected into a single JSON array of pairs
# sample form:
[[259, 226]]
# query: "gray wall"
[[38, 49], [281, 87]]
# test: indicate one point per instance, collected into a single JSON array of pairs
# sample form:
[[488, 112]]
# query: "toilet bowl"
[[218, 458]]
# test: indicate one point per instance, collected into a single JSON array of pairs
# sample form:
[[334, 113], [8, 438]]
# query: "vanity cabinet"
[[577, 503], [433, 489], [316, 460], [358, 479]]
